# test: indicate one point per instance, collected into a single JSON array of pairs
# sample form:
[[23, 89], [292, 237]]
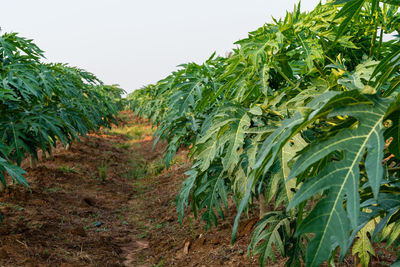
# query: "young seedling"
[[103, 171]]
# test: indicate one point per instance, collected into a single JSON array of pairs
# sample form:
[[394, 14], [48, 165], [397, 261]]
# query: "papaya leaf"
[[226, 133], [267, 236], [363, 247], [183, 196], [339, 180]]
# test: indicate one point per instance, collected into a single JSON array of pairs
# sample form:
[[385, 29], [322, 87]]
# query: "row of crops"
[[302, 116], [42, 103]]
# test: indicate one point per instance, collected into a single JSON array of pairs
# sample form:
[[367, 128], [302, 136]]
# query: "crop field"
[[285, 152]]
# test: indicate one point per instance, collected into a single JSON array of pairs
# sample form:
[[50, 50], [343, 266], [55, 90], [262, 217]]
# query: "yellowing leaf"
[[363, 247]]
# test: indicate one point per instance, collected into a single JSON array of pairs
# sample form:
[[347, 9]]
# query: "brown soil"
[[77, 213]]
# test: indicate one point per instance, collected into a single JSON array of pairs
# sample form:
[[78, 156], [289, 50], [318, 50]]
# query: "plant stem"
[[284, 76], [374, 13], [380, 42]]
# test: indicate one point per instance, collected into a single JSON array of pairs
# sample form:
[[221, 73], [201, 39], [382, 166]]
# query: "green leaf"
[[394, 233], [214, 191], [339, 180], [183, 196], [289, 151], [354, 80], [16, 173], [227, 132], [267, 237], [350, 10]]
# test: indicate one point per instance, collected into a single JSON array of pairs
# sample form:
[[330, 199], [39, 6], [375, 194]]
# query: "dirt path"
[[108, 201]]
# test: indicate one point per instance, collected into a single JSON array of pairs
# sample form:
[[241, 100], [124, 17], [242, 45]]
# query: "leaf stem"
[[300, 213], [284, 75], [374, 13]]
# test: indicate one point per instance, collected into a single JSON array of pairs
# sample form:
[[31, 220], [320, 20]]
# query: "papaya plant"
[[304, 114], [42, 103]]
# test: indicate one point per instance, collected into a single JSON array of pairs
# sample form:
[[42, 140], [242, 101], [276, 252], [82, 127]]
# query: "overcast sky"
[[134, 43]]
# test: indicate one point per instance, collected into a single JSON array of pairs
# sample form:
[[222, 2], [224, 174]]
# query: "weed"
[[142, 235], [94, 215], [139, 187], [160, 263], [156, 167], [123, 117], [131, 131], [102, 230], [179, 160], [62, 221], [122, 145], [45, 252], [172, 202], [52, 189], [141, 259], [160, 225], [137, 170], [102, 168], [66, 169]]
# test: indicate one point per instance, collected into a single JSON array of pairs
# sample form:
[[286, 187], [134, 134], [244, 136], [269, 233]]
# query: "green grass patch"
[[66, 169], [52, 189], [123, 117], [155, 168], [11, 205], [133, 131], [122, 146], [137, 169], [139, 187]]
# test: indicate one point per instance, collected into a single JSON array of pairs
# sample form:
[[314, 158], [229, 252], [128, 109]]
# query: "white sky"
[[134, 43]]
